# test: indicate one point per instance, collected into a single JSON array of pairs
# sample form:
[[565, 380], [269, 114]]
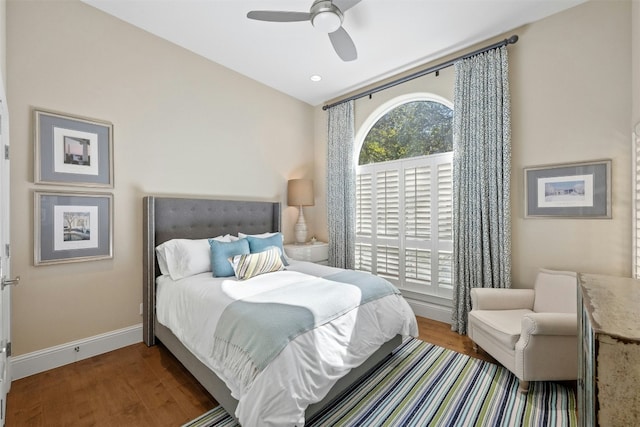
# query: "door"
[[5, 259]]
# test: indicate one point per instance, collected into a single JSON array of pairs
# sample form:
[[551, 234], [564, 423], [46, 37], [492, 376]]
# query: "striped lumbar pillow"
[[249, 265]]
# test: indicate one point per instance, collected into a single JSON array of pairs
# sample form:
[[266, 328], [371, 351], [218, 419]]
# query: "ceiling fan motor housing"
[[325, 16]]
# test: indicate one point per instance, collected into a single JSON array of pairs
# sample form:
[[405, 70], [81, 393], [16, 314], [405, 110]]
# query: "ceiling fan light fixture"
[[325, 16], [327, 22]]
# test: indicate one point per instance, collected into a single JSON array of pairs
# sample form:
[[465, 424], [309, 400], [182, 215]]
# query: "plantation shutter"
[[387, 197], [387, 203], [404, 229], [445, 201], [417, 202], [363, 204], [428, 227], [445, 228], [364, 211], [418, 224]]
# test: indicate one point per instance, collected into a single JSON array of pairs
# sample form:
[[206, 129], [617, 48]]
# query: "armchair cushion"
[[501, 299], [550, 324], [503, 325], [555, 292]]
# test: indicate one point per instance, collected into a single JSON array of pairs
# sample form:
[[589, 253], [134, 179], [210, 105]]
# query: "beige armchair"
[[531, 332]]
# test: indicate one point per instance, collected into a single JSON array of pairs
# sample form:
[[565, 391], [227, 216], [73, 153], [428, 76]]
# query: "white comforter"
[[301, 374]]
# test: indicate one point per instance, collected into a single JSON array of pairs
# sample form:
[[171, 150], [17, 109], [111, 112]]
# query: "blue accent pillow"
[[260, 244], [222, 251]]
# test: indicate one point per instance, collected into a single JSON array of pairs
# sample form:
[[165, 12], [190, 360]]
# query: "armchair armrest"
[[550, 324], [501, 299]]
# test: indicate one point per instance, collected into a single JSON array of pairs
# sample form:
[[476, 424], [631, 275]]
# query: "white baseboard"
[[54, 357], [430, 311]]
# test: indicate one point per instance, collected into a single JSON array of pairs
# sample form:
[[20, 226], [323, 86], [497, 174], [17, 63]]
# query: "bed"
[[168, 218]]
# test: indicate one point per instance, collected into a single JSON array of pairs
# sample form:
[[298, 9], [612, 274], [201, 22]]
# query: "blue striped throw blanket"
[[252, 331]]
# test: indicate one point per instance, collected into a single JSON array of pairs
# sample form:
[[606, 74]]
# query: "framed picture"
[[72, 227], [72, 150], [574, 190]]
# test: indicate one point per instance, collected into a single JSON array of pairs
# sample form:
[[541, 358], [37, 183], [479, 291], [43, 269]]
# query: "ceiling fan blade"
[[345, 5], [343, 45], [278, 16]]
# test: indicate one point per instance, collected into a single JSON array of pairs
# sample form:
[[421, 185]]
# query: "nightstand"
[[317, 252]]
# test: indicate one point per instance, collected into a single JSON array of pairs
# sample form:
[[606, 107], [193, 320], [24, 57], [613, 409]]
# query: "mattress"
[[306, 369]]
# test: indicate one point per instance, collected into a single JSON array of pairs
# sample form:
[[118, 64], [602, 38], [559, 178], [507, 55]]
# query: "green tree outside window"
[[418, 128]]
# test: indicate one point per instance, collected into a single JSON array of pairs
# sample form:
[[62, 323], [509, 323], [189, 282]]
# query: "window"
[[404, 197]]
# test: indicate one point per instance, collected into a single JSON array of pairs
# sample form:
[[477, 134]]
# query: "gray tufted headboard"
[[167, 218]]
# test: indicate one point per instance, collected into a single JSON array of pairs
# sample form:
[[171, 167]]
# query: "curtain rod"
[[511, 40]]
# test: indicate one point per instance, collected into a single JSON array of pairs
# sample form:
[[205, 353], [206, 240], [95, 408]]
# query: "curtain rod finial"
[[513, 39]]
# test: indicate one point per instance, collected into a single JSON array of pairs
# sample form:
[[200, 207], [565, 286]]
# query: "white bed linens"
[[301, 374]]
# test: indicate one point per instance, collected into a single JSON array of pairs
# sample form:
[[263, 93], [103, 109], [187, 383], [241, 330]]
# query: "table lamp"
[[300, 193]]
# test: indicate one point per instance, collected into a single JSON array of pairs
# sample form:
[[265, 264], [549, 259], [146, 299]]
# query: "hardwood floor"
[[140, 386], [440, 333], [133, 386]]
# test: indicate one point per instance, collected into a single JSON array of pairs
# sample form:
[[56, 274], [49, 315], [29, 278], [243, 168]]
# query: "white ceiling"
[[391, 36]]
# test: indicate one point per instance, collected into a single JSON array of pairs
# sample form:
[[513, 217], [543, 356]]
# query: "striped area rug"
[[426, 385]]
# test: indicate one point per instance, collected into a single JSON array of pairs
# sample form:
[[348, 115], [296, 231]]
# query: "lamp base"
[[300, 229]]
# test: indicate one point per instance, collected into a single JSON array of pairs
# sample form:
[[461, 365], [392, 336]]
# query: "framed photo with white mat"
[[571, 190], [72, 227], [72, 150]]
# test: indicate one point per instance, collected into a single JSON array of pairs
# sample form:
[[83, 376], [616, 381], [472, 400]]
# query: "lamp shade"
[[300, 192]]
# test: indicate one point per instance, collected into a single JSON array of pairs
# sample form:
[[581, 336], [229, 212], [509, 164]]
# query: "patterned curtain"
[[482, 171], [341, 186]]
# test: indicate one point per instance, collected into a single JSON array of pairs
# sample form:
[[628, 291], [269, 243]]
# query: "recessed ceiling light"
[[315, 78]]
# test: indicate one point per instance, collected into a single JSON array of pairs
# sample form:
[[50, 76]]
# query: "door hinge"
[[7, 250], [6, 152], [6, 348]]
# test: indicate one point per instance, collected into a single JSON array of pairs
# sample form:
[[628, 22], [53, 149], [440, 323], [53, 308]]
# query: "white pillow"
[[162, 261], [181, 258], [263, 235]]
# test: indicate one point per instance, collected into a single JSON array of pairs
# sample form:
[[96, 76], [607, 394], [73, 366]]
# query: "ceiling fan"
[[326, 16]]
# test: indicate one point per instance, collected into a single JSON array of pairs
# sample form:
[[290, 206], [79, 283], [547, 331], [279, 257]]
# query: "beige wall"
[[570, 93], [182, 125], [571, 102]]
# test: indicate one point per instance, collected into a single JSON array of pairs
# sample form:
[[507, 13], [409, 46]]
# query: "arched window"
[[403, 194], [412, 129]]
